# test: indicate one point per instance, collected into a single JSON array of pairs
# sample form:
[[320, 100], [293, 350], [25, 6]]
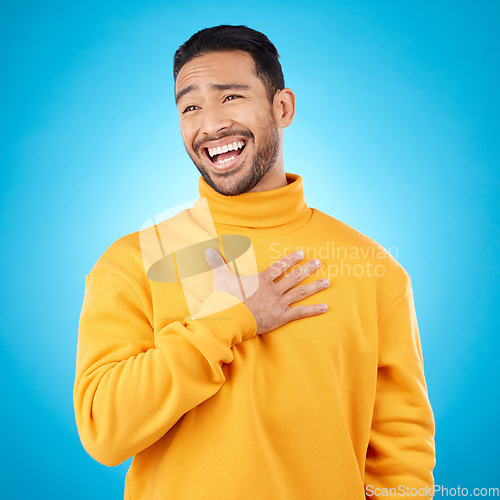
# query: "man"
[[268, 374]]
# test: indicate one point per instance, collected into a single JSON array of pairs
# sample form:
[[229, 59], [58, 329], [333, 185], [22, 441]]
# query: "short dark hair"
[[227, 38]]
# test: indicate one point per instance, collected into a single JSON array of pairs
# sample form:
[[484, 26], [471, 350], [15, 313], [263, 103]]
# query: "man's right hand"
[[271, 301]]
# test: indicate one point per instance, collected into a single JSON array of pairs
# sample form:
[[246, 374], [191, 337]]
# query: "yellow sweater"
[[328, 407]]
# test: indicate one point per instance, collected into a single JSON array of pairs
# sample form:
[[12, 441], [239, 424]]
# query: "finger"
[[301, 311], [297, 275], [281, 266], [214, 260], [304, 291]]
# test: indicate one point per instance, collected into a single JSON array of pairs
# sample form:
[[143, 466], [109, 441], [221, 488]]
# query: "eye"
[[232, 97], [192, 107]]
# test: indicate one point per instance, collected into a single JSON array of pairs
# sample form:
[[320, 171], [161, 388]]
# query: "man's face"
[[227, 121]]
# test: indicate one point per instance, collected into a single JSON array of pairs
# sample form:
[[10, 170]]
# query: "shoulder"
[[347, 245], [121, 256]]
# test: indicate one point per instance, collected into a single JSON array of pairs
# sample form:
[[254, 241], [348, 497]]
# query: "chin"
[[230, 183]]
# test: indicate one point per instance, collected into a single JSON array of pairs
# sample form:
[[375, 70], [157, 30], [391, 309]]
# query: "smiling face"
[[231, 130]]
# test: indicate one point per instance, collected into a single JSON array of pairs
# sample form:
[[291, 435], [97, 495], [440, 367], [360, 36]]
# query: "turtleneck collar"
[[278, 208]]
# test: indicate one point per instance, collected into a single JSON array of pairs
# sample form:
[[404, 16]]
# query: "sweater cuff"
[[227, 317]]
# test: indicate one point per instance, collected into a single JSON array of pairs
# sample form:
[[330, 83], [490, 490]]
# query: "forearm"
[[401, 453]]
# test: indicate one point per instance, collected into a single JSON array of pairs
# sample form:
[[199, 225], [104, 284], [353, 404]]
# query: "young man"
[[266, 373]]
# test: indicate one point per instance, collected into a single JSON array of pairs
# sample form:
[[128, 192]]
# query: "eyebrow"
[[215, 86]]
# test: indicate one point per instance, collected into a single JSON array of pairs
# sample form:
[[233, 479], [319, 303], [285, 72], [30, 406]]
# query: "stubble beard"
[[265, 158]]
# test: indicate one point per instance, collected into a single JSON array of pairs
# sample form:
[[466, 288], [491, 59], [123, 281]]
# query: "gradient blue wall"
[[396, 134]]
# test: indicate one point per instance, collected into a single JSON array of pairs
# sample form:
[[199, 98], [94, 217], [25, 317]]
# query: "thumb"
[[215, 260]]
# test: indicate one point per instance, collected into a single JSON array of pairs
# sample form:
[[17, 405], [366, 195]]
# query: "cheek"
[[261, 128], [258, 120], [249, 119], [187, 135]]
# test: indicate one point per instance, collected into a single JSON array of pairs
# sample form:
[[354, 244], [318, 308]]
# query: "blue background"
[[396, 134]]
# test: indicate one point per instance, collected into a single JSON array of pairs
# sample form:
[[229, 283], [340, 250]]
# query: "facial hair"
[[265, 158]]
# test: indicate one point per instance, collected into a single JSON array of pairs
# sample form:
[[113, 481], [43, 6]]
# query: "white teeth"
[[224, 149], [221, 162]]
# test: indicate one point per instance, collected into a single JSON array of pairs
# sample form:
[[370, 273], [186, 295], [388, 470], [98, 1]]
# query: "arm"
[[401, 452], [132, 385]]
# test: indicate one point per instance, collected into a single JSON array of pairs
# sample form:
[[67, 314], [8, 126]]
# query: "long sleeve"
[[132, 385], [401, 453]]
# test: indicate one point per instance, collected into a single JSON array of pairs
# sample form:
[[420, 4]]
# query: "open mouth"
[[223, 155]]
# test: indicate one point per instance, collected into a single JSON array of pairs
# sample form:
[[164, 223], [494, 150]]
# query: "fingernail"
[[316, 263], [301, 254], [323, 307], [325, 282]]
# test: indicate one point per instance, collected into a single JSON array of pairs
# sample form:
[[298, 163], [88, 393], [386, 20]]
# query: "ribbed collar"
[[265, 209]]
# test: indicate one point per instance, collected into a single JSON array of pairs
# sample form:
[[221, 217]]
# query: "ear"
[[284, 107]]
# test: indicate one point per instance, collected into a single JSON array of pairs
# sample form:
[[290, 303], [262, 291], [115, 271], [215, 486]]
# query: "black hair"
[[227, 38]]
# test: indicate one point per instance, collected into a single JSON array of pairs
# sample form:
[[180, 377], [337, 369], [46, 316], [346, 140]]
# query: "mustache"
[[245, 133]]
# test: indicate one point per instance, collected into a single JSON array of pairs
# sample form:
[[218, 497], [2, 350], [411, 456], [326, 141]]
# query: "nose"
[[215, 120]]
